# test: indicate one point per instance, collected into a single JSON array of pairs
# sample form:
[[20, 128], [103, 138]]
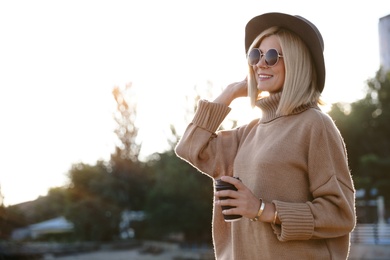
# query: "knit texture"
[[298, 162]]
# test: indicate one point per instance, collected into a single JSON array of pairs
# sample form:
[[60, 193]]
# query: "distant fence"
[[371, 234]]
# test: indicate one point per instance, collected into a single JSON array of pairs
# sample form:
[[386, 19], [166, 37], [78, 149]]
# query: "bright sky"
[[59, 61]]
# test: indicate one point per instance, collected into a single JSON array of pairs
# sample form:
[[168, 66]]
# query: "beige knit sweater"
[[298, 162]]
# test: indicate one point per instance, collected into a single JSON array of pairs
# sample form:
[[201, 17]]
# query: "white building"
[[384, 42], [51, 226]]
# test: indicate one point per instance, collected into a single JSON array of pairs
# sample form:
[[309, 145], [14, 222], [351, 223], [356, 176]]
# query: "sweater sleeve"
[[331, 212], [209, 151]]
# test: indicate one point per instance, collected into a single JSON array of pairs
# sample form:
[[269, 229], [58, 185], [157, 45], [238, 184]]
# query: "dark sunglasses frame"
[[271, 57]]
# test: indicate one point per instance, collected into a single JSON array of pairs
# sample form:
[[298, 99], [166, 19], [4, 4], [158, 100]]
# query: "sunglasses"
[[271, 57]]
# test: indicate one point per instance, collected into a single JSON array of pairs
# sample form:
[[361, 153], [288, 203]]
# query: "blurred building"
[[384, 42], [52, 226]]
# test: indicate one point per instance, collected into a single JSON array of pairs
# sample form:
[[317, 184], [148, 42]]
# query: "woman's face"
[[268, 78]]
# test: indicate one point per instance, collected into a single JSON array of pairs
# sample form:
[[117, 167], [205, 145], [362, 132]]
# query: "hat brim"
[[307, 31]]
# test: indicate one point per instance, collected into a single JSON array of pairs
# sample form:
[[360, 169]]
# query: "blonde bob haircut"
[[300, 82]]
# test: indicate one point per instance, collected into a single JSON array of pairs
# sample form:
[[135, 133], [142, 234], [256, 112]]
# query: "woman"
[[295, 191]]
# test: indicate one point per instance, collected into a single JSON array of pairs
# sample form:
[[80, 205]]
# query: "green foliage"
[[11, 217], [175, 197], [180, 201], [50, 206], [100, 193], [133, 181], [93, 204], [94, 220], [365, 126]]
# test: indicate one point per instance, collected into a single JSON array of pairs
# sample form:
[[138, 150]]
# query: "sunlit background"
[[59, 61]]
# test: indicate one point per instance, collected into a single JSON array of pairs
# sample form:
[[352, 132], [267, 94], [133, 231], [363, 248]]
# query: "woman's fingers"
[[244, 201]]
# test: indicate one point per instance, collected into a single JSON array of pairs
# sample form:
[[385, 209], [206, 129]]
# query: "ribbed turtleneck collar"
[[269, 106]]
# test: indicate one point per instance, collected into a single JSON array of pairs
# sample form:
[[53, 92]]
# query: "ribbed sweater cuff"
[[210, 115], [297, 221]]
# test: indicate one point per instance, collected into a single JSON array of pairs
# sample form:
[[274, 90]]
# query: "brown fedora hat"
[[307, 31]]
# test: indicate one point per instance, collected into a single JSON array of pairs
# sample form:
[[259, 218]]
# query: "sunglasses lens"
[[271, 57], [253, 57]]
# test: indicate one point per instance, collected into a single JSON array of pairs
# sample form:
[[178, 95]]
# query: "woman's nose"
[[261, 63]]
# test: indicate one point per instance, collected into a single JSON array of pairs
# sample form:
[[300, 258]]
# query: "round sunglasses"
[[271, 57]]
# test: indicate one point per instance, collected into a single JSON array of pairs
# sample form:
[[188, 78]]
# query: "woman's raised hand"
[[233, 91]]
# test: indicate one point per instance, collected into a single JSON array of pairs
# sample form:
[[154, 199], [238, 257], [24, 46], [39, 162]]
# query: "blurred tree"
[[100, 193], [43, 208], [50, 206], [365, 126], [133, 181], [94, 220], [125, 117], [3, 222], [93, 207], [11, 217], [4, 225], [180, 201]]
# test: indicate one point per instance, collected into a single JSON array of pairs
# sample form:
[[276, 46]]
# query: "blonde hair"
[[300, 83]]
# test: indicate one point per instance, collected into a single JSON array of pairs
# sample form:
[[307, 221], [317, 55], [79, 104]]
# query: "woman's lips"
[[264, 76]]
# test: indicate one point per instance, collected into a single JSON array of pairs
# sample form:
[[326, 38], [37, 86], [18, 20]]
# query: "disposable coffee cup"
[[221, 185]]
